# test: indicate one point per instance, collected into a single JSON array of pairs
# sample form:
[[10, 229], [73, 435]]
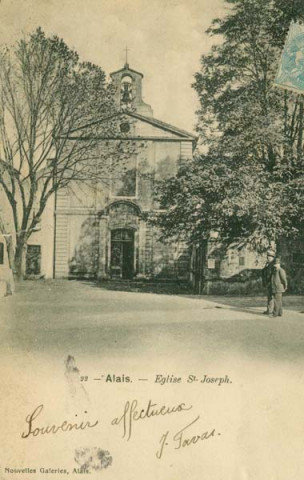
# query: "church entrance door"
[[122, 253]]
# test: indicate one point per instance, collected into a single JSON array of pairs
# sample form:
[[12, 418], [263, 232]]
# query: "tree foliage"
[[209, 195], [249, 184]]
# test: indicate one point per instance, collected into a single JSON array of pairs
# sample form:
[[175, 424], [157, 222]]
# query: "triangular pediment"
[[130, 125]]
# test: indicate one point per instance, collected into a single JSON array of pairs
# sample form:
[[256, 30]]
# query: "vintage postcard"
[[151, 240]]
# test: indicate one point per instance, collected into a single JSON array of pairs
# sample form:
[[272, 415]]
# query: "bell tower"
[[128, 91]]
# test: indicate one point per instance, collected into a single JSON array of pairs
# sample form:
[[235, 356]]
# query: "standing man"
[[278, 287], [266, 279]]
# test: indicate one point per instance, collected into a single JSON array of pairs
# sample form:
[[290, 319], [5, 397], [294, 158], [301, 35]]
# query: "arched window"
[[126, 91]]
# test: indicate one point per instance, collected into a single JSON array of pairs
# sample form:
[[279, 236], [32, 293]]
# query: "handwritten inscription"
[[188, 436], [183, 438], [132, 413], [65, 426]]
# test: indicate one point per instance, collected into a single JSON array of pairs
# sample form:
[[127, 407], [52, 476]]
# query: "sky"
[[165, 38]]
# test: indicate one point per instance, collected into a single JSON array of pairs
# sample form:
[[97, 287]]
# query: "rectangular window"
[[33, 260], [217, 264], [124, 178], [241, 261], [1, 253]]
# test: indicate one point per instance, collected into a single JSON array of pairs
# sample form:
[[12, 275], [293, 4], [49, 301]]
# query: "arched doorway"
[[122, 253]]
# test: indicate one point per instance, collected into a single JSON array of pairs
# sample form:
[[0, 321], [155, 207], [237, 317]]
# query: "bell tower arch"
[[128, 90]]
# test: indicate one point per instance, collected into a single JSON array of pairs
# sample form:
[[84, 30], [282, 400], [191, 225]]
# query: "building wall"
[[43, 237], [219, 270], [292, 260], [238, 260]]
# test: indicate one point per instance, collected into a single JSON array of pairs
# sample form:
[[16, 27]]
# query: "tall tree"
[[249, 185], [46, 94]]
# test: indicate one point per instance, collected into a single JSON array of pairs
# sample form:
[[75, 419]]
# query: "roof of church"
[[163, 125], [151, 120], [126, 67]]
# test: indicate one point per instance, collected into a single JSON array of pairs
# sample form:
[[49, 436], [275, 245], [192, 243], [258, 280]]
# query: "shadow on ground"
[[241, 303], [162, 287]]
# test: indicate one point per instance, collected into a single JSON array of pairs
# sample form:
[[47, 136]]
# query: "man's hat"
[[277, 260]]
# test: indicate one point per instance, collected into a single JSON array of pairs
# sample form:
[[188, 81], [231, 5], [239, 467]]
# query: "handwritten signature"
[[133, 413], [183, 438]]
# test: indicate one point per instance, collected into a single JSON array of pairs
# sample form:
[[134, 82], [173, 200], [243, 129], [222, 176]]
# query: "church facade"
[[102, 229]]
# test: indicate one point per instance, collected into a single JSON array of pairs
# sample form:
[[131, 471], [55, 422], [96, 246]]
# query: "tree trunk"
[[20, 256], [11, 262], [10, 251]]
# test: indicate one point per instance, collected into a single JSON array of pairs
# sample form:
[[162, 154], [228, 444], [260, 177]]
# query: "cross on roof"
[[127, 50]]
